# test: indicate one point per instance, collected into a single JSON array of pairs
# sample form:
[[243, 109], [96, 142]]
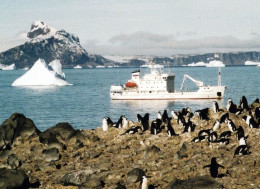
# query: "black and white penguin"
[[144, 121], [252, 123], [213, 167], [119, 123], [240, 133], [106, 123], [170, 130], [257, 100], [200, 138], [224, 118], [124, 122], [231, 107], [165, 116], [203, 114], [181, 121], [189, 126], [213, 137], [244, 103], [257, 113], [224, 141], [242, 150], [225, 134], [216, 125], [205, 132], [215, 107], [231, 125], [133, 130], [144, 182], [174, 115], [159, 115]]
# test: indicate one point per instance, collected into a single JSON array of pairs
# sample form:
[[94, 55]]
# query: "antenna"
[[219, 76]]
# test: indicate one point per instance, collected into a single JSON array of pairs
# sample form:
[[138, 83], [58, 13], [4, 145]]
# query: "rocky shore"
[[62, 157]]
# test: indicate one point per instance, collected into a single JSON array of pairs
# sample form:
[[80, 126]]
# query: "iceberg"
[[77, 67], [215, 63], [41, 74], [251, 63]]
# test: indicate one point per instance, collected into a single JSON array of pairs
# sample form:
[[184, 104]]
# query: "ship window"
[[218, 93]]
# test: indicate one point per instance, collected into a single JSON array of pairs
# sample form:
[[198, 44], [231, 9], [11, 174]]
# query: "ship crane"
[[198, 83]]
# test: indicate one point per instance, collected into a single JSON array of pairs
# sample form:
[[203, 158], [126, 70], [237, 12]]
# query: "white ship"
[[160, 86]]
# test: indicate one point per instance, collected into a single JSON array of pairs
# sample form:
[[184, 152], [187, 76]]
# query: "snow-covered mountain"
[[43, 41]]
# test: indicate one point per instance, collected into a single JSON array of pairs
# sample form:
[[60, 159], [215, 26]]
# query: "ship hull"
[[213, 92]]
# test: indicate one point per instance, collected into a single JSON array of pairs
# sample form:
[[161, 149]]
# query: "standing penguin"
[[215, 107], [213, 167]]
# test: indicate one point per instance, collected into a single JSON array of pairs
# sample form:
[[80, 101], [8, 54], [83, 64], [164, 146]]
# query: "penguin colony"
[[224, 126]]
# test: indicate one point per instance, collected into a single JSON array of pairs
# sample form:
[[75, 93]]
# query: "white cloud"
[[146, 43]]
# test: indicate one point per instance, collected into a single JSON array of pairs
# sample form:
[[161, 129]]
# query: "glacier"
[[41, 74], [213, 63]]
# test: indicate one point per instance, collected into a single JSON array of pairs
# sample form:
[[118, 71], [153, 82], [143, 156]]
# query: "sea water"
[[87, 101]]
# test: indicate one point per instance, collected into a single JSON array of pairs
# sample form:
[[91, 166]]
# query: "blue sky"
[[149, 27]]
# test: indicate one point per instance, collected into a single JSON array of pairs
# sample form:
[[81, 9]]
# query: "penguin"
[[242, 141], [174, 115], [165, 116], [199, 138], [159, 115], [231, 107], [224, 141], [216, 125], [225, 134], [257, 100], [119, 123], [189, 126], [132, 130], [213, 167], [240, 133], [124, 123], [153, 129], [105, 124], [170, 130], [203, 114], [204, 133], [244, 103], [213, 137], [215, 107], [144, 182], [252, 123], [257, 113], [242, 150], [224, 117], [181, 120], [144, 121], [231, 125]]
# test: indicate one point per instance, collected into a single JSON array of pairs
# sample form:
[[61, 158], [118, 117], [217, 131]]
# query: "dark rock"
[[13, 161], [201, 182], [152, 152], [76, 178], [16, 126], [183, 152], [135, 175], [13, 179], [51, 154], [47, 137]]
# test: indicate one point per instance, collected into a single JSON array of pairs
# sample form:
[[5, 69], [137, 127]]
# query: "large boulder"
[[135, 175], [16, 126], [76, 178], [13, 179], [51, 154]]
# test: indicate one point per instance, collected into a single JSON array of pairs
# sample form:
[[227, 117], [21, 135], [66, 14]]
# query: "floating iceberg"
[[251, 63], [214, 63], [43, 75], [78, 67], [197, 64]]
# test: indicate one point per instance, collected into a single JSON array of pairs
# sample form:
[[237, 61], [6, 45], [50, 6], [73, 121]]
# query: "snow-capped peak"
[[39, 29]]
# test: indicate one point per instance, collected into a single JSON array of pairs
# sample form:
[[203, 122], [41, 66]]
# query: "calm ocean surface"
[[85, 103]]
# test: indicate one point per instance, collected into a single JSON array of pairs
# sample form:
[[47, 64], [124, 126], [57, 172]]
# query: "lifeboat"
[[130, 84]]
